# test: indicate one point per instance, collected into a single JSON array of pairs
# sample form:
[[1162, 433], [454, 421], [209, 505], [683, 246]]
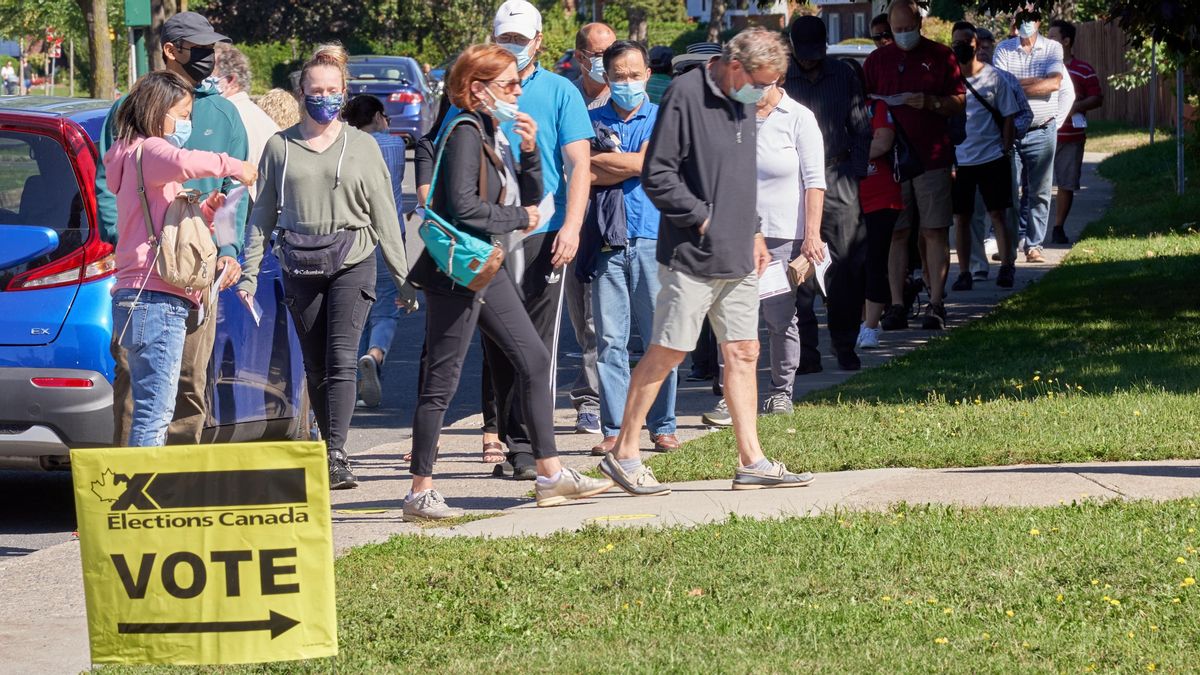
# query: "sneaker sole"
[[370, 390], [344, 485], [563, 499], [749, 486], [715, 423], [617, 483]]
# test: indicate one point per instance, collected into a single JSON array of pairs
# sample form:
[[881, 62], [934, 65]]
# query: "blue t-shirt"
[[557, 107], [641, 216]]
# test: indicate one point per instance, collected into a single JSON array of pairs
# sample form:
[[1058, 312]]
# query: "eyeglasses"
[[506, 86], [879, 37]]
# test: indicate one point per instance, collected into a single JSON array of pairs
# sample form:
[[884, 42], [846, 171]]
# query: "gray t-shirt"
[[984, 141], [592, 103]]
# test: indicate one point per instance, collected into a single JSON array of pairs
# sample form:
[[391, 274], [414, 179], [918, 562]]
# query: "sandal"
[[493, 453]]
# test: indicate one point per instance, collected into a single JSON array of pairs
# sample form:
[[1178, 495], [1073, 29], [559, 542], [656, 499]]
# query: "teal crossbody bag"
[[469, 259]]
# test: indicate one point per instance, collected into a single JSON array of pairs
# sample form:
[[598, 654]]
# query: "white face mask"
[[907, 40], [524, 54], [597, 71], [1027, 29]]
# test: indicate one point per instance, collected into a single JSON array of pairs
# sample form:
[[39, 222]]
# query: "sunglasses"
[[879, 37], [507, 86]]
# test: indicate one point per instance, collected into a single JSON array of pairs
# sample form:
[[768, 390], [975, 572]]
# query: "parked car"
[[858, 52], [56, 311], [397, 81], [566, 66]]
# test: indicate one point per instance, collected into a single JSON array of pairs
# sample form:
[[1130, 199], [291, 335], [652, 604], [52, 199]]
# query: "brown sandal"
[[493, 453]]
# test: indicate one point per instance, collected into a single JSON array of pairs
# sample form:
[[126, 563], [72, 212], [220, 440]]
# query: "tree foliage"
[[1173, 22], [266, 20]]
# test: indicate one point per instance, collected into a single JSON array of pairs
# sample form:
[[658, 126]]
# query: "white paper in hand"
[[225, 219], [252, 306], [823, 267], [774, 281]]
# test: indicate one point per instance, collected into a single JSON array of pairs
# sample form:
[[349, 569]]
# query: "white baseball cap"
[[517, 16]]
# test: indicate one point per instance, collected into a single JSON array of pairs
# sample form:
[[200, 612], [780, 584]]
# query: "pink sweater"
[[165, 168]]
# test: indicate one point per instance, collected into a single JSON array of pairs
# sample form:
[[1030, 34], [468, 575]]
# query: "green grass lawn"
[[1064, 589], [1114, 137], [1100, 360]]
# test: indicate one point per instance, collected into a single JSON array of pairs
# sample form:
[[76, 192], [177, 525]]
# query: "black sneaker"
[[1007, 276], [848, 360], [340, 475], [1059, 236], [935, 317], [964, 282], [894, 318], [809, 368]]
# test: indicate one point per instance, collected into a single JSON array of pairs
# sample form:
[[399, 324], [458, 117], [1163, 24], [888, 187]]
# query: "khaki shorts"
[[1068, 165], [683, 301], [928, 199]]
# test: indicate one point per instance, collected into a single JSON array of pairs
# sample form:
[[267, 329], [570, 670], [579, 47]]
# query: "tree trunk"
[[160, 11], [716, 21], [598, 6], [95, 12], [637, 24]]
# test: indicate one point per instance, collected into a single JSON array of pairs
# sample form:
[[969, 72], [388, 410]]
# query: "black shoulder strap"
[[996, 116]]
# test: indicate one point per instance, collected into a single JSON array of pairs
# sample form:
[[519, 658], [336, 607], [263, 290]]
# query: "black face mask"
[[964, 52], [201, 63]]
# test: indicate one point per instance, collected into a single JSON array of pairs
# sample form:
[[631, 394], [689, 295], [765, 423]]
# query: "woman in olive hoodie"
[[324, 184]]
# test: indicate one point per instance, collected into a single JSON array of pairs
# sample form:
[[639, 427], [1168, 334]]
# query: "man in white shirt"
[[8, 77], [1038, 65], [232, 72], [983, 158]]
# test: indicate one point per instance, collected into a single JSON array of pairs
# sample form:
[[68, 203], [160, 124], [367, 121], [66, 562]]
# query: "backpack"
[[185, 255], [469, 259]]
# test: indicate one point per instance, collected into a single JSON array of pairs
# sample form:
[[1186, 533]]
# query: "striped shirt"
[[1044, 58], [836, 99], [393, 148]]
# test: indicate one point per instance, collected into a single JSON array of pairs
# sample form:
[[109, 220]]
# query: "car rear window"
[[38, 187], [390, 72]]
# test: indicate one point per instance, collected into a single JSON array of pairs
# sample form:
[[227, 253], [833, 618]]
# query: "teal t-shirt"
[[557, 107]]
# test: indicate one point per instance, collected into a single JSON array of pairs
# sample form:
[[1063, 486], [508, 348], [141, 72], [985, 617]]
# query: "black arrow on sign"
[[278, 624]]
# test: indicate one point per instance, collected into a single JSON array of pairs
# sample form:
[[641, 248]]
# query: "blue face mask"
[[323, 109], [523, 54], [628, 95], [1027, 29], [183, 131], [749, 94]]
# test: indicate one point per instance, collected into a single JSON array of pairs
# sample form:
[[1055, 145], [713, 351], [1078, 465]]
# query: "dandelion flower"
[[1037, 378], [1151, 666], [625, 606], [1034, 532], [1010, 613], [948, 610], [941, 640], [987, 636], [1095, 582], [1175, 600], [1115, 603], [1137, 413], [886, 598], [1025, 645], [1130, 635], [1181, 560], [1153, 629], [1059, 597], [1188, 581]]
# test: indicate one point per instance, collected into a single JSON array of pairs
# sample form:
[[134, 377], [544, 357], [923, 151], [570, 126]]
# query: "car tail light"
[[93, 261], [405, 97], [62, 382]]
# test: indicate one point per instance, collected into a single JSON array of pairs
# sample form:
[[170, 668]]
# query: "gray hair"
[[757, 48], [231, 61]]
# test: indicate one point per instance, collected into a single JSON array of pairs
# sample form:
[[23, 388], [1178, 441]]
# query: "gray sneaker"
[[777, 475], [428, 505], [570, 485], [641, 483], [718, 416], [778, 404]]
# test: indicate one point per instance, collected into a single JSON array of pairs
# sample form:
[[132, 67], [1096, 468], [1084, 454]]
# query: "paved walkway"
[[42, 619]]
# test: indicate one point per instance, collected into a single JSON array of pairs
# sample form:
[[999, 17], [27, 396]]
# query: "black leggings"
[[450, 322], [880, 225], [329, 315]]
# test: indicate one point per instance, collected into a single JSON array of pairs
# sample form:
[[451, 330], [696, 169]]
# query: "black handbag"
[[311, 256], [906, 165]]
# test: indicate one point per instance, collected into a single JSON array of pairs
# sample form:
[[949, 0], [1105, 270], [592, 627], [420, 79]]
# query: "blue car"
[[397, 81], [56, 276]]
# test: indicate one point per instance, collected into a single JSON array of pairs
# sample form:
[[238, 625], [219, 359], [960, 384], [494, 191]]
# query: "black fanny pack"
[[313, 256]]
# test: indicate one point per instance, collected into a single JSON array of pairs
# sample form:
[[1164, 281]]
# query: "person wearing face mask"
[[590, 43], [699, 172], [626, 283], [833, 92], [325, 198], [1068, 156], [150, 316], [188, 50], [922, 84], [539, 260], [1037, 63], [481, 186]]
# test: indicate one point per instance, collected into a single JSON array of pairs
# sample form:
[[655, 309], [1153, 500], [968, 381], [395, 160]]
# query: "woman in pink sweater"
[[150, 315]]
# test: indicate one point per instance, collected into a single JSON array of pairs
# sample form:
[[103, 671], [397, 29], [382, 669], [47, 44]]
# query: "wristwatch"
[[937, 102]]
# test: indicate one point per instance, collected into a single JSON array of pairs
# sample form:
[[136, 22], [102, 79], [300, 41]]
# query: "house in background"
[[846, 19], [737, 12]]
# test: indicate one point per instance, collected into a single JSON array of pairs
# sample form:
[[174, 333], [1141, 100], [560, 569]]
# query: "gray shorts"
[[1068, 165], [684, 300], [928, 198]]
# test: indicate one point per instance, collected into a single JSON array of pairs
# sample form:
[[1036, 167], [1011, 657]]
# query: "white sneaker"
[[990, 247], [868, 338]]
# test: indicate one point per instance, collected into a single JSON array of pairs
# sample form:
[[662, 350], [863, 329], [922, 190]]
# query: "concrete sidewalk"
[[42, 619]]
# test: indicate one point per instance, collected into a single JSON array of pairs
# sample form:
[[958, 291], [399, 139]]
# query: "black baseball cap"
[[190, 27], [660, 57], [808, 38]]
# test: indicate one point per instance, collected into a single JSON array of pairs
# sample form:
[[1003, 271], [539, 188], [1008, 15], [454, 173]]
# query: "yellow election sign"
[[206, 554]]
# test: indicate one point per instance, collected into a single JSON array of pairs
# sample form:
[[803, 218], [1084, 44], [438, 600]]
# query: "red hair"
[[478, 63]]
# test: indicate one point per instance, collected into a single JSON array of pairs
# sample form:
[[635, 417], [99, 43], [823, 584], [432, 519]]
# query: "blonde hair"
[[757, 48], [281, 106], [333, 55]]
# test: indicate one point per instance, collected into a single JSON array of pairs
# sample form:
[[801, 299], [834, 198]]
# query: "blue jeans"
[[153, 341], [381, 322], [1035, 154], [625, 290]]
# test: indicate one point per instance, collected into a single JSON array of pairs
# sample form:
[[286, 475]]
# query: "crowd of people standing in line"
[[650, 198]]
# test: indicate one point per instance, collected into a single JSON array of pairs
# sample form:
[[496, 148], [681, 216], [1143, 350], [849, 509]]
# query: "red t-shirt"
[[1087, 84], [879, 190], [929, 69]]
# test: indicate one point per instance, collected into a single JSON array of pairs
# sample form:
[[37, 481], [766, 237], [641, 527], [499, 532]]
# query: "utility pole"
[[1153, 85], [72, 59], [1181, 179], [137, 19]]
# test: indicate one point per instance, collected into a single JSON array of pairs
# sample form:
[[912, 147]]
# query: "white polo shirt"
[[791, 159], [1045, 57], [259, 128]]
